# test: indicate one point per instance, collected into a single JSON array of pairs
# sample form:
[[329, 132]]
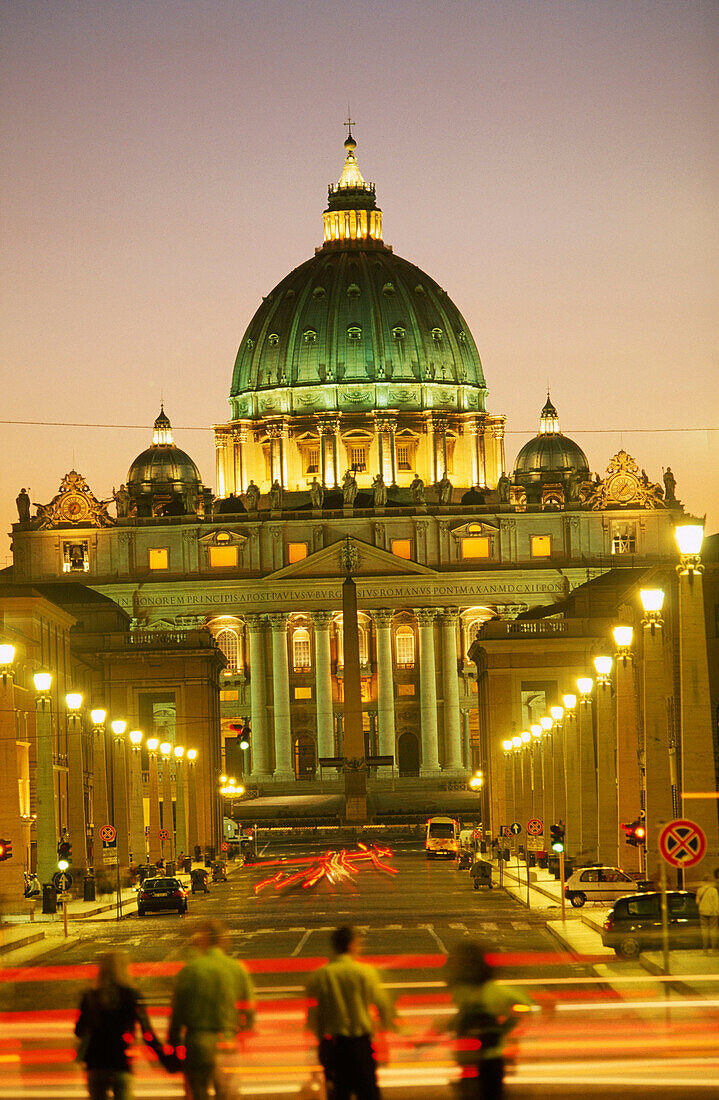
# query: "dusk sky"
[[554, 166]]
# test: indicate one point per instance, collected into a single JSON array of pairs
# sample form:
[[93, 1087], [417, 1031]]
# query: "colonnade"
[[444, 748]]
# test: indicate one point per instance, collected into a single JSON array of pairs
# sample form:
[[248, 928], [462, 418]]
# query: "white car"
[[600, 884]]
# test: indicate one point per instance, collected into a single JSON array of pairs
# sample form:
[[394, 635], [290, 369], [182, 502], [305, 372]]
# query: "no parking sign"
[[682, 843]]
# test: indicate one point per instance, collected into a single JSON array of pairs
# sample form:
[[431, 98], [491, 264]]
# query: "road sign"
[[163, 834], [62, 881], [504, 830], [682, 843], [515, 828], [108, 833], [535, 844], [379, 761], [535, 827], [225, 846], [332, 761]]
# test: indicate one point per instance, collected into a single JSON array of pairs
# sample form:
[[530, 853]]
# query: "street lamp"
[[606, 764], [587, 769], [45, 785], [118, 727], [154, 846], [546, 723], [192, 833], [690, 537], [168, 823], [7, 656], [99, 802], [557, 714], [603, 666], [623, 637], [570, 702], [652, 602], [180, 800], [584, 686], [137, 814], [77, 826], [98, 716]]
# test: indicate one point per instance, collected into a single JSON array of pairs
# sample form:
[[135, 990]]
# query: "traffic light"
[[64, 850], [636, 832], [557, 837], [243, 732], [5, 850]]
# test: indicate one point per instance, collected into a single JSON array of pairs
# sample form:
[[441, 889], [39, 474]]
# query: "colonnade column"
[[607, 838], [452, 727], [428, 691], [77, 824], [154, 847], [466, 748], [180, 803], [571, 781], [258, 698], [385, 686], [12, 883], [168, 824], [138, 848], [46, 858], [587, 778], [323, 683], [628, 777], [281, 698], [101, 813], [657, 773], [192, 831]]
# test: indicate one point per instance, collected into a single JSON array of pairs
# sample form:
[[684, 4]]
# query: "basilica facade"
[[359, 432]]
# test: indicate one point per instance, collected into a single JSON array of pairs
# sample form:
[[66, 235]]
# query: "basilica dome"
[[551, 455], [356, 327]]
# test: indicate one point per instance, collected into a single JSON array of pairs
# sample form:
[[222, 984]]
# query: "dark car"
[[635, 923], [157, 894]]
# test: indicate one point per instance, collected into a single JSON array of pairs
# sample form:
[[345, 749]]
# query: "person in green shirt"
[[486, 1013], [213, 999], [340, 997]]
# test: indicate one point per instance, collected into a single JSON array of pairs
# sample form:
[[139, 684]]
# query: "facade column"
[[559, 802], [154, 846], [258, 698], [180, 803], [393, 453], [573, 833], [431, 447], [76, 820], [335, 455], [629, 798], [12, 882], [587, 778], [380, 455], [385, 687], [659, 804], [323, 456], [192, 831], [101, 813], [697, 744], [452, 727], [607, 839], [168, 823], [428, 691], [46, 856], [281, 698], [466, 747], [119, 790], [138, 847], [323, 684]]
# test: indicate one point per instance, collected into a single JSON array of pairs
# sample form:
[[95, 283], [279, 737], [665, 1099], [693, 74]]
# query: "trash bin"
[[146, 870], [481, 873], [553, 865], [197, 854], [531, 859], [504, 855], [88, 888], [170, 869], [49, 898]]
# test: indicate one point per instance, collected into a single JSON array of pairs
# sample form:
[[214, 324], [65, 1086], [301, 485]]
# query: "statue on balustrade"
[[445, 489], [276, 496], [23, 506], [349, 489], [417, 490], [317, 494], [503, 487], [379, 492], [670, 486], [252, 493]]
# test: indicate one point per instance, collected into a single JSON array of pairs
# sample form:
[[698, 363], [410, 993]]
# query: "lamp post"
[[587, 768], [573, 831], [629, 787], [698, 776], [168, 821], [658, 798], [192, 832], [558, 805], [607, 834], [525, 767], [535, 731], [545, 808], [154, 845], [12, 883], [180, 800], [100, 810], [510, 789], [137, 813], [118, 777], [46, 855], [76, 820]]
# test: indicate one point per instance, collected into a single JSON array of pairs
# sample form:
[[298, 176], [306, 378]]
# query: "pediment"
[[474, 527], [367, 561]]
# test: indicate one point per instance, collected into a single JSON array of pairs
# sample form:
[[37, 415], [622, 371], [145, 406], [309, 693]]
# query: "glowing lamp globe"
[[153, 744], [73, 700], [507, 745], [517, 741], [179, 751], [526, 737], [603, 665], [623, 636], [192, 754], [546, 722], [557, 713], [689, 538], [7, 654], [165, 748], [118, 725], [98, 716], [43, 681], [570, 701], [585, 685], [652, 600], [136, 736]]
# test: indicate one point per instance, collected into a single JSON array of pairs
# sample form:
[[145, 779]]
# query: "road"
[[584, 1039]]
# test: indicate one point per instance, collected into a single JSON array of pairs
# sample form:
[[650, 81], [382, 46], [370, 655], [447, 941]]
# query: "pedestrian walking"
[[106, 1029], [340, 996], [708, 905], [486, 1013], [213, 999]]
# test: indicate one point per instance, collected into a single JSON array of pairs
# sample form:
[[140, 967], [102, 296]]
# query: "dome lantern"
[[549, 419], [352, 213], [162, 431]]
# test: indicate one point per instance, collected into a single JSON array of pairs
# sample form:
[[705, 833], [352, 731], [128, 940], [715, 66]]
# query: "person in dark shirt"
[[106, 1029]]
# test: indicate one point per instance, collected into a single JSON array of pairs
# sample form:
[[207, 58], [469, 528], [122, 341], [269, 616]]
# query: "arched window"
[[229, 643], [301, 655], [362, 640], [404, 641]]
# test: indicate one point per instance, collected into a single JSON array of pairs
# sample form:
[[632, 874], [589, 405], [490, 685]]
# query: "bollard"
[[64, 914]]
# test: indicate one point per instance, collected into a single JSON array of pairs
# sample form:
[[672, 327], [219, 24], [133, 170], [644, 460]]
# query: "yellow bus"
[[442, 837]]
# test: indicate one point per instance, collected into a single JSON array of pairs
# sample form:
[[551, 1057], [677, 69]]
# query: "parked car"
[[158, 894], [635, 923], [600, 884]]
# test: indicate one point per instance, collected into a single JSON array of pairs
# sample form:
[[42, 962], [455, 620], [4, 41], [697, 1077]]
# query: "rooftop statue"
[[379, 492], [349, 489], [252, 493], [317, 494], [23, 506], [276, 496], [417, 490], [445, 489]]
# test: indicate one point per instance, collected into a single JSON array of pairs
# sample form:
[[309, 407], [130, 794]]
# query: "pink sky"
[[553, 165]]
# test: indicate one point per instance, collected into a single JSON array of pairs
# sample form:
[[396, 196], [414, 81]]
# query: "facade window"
[[75, 557], [301, 654], [476, 546], [158, 558], [404, 641], [312, 459], [399, 333], [303, 692], [273, 339], [402, 548], [405, 453], [354, 332], [437, 335], [296, 551], [229, 643], [362, 641], [357, 454], [624, 541], [405, 689], [309, 336], [541, 546], [223, 557]]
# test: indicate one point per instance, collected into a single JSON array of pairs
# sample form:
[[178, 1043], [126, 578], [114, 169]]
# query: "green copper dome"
[[356, 328], [550, 455]]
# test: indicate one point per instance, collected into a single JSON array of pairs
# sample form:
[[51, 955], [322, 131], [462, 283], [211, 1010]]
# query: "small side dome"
[[550, 456], [163, 475]]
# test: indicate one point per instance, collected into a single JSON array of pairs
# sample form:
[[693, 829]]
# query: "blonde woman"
[[106, 1029]]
